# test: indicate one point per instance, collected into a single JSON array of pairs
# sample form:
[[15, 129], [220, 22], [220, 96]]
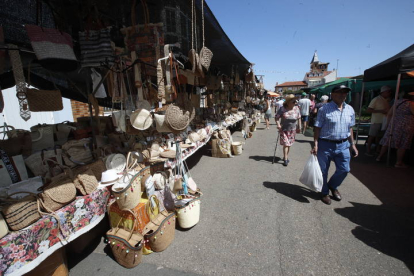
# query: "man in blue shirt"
[[333, 137]]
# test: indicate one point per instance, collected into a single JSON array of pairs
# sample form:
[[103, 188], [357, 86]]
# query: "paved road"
[[257, 219]]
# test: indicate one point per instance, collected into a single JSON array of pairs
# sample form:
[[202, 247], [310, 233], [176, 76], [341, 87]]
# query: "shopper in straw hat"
[[288, 123]]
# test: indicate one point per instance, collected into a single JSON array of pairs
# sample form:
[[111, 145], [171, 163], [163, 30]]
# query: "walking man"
[[333, 138], [304, 106]]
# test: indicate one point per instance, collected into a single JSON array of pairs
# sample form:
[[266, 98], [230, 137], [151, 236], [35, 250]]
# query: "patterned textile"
[[289, 118], [287, 138], [403, 129], [20, 248], [335, 124]]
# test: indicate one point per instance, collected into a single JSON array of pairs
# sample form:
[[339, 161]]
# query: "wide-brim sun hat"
[[290, 97], [141, 119], [109, 177]]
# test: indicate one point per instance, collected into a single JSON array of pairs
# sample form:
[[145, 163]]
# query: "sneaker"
[[285, 163]]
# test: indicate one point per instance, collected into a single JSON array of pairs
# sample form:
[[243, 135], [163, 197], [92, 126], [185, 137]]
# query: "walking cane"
[[277, 142]]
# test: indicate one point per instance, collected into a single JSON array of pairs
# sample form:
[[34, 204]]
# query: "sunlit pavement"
[[257, 219]]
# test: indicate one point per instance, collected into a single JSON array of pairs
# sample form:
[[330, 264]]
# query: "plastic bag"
[[312, 174]]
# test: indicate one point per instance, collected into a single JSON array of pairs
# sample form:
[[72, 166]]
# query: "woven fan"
[[205, 54]]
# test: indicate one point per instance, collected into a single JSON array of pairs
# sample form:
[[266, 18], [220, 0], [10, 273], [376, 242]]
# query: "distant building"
[[319, 72], [290, 85]]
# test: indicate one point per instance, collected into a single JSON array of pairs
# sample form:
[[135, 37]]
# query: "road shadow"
[[298, 193], [266, 159], [387, 230]]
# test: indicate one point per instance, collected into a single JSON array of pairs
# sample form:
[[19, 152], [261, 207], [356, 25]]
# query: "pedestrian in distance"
[[268, 112], [288, 124], [333, 138], [304, 106], [378, 107]]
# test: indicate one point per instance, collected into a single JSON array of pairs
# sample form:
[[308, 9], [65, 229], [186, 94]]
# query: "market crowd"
[[333, 120]]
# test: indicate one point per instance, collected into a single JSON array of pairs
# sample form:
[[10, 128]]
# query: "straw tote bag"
[[126, 245], [22, 212], [128, 196], [188, 215], [160, 232], [4, 230]]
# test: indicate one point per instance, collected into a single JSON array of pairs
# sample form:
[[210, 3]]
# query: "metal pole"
[[397, 90], [360, 111]]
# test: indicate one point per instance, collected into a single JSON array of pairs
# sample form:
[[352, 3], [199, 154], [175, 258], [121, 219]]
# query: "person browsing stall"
[[333, 137]]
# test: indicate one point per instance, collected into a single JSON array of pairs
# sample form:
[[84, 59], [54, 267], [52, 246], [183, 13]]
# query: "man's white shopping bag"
[[312, 174]]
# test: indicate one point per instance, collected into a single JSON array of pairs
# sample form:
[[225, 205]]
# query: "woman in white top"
[[268, 112]]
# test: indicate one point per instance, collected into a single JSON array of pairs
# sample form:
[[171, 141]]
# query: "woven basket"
[[237, 148], [44, 100], [22, 213], [176, 118], [60, 192], [85, 180], [160, 232], [129, 196], [205, 57]]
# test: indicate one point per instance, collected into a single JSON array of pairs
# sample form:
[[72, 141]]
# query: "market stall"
[[166, 99]]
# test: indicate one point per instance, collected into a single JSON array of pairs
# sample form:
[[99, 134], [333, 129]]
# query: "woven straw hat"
[[141, 119], [290, 97], [176, 118]]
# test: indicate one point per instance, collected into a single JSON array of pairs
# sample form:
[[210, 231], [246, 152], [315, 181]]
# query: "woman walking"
[[268, 112], [288, 123]]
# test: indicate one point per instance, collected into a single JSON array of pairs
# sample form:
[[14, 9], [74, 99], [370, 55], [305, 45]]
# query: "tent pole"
[[360, 111], [397, 90]]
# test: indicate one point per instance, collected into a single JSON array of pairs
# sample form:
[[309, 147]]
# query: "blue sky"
[[281, 36]]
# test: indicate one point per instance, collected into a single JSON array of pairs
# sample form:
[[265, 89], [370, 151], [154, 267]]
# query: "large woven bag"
[[126, 245], [160, 232], [53, 48], [97, 167], [188, 215], [44, 100], [96, 48], [176, 118], [22, 212], [128, 196], [85, 180], [60, 192]]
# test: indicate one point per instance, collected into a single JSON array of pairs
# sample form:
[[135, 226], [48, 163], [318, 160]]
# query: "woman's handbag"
[[188, 214], [18, 142], [126, 245], [21, 212], [53, 48], [160, 232], [58, 193], [97, 168], [85, 180], [4, 230], [96, 48]]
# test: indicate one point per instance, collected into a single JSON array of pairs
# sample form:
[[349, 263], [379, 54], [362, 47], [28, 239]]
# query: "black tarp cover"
[[402, 62]]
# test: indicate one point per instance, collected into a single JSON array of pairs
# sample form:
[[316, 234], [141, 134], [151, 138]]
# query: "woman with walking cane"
[[288, 123]]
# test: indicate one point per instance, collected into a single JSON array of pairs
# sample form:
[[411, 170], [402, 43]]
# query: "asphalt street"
[[258, 219]]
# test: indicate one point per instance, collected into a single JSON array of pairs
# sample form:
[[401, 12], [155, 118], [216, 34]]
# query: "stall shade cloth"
[[402, 62]]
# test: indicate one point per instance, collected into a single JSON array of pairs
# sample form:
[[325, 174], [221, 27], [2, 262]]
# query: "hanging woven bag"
[[85, 180]]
